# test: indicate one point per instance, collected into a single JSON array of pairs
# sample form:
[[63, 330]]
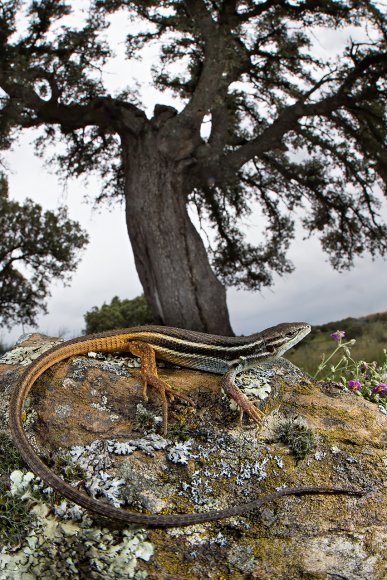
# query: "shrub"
[[118, 314]]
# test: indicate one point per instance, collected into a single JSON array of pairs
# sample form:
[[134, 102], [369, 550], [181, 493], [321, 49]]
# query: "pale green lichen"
[[67, 546], [255, 383], [180, 453], [20, 483], [94, 461], [24, 355], [15, 517], [55, 548], [63, 411]]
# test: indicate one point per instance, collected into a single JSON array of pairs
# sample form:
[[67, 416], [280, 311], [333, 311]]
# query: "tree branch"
[[287, 120], [224, 58], [104, 112]]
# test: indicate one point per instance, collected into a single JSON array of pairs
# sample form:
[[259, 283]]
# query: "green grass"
[[370, 333]]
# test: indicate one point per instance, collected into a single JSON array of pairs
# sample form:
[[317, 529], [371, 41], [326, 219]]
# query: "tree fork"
[[170, 256]]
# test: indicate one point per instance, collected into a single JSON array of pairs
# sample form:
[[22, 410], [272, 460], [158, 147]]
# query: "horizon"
[[314, 292]]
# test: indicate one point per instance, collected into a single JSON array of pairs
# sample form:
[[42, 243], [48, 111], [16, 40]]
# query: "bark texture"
[[252, 75], [170, 256]]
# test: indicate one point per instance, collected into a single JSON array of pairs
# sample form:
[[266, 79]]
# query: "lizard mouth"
[[293, 336]]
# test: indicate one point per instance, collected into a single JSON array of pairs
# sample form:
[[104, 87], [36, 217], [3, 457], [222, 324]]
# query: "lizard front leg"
[[244, 404], [150, 377]]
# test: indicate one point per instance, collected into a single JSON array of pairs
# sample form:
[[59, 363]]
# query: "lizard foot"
[[150, 378], [244, 404], [165, 391]]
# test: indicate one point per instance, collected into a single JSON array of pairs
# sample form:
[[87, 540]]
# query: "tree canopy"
[[297, 131], [36, 247]]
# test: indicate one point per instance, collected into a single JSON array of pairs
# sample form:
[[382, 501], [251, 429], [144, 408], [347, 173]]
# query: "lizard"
[[227, 356]]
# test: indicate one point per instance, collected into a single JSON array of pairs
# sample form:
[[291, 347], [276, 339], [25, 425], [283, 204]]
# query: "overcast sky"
[[313, 293]]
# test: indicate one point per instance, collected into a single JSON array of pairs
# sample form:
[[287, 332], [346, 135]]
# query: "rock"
[[88, 419]]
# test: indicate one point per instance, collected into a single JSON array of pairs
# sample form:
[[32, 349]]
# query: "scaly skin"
[[217, 354]]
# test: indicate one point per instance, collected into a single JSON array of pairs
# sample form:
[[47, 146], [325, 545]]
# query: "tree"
[[118, 314], [36, 247], [300, 134]]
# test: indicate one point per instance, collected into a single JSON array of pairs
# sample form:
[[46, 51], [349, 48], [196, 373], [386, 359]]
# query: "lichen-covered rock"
[[88, 420]]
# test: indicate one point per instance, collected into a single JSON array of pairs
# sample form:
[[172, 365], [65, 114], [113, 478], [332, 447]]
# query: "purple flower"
[[380, 389], [338, 335], [354, 385]]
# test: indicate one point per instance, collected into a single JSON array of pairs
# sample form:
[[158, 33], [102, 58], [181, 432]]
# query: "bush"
[[118, 314]]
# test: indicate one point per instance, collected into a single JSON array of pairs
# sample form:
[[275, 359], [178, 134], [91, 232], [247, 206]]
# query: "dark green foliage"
[[15, 518], [118, 314], [36, 247], [9, 456], [300, 135], [299, 438], [337, 123]]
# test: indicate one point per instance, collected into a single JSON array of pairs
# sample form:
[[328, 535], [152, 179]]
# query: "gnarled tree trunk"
[[171, 260]]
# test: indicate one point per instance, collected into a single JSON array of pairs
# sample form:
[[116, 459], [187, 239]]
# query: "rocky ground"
[[88, 420]]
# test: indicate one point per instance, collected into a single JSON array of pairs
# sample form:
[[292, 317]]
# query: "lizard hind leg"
[[149, 376], [244, 404]]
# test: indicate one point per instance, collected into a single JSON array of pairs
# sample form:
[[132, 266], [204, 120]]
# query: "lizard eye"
[[270, 348], [290, 333]]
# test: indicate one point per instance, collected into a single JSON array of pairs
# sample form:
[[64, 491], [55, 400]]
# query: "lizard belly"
[[193, 361]]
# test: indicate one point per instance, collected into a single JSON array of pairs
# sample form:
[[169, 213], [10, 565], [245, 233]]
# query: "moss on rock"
[[90, 419]]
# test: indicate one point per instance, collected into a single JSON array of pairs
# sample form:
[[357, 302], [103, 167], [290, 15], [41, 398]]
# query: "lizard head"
[[278, 339]]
